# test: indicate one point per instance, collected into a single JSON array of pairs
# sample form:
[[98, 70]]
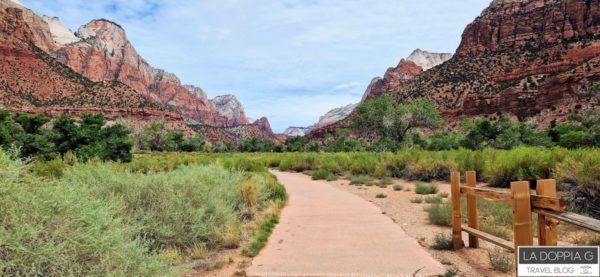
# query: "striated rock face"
[[230, 110], [296, 131], [60, 33], [40, 32], [507, 24], [394, 76], [334, 116], [263, 124], [427, 60], [33, 81], [103, 52], [529, 59]]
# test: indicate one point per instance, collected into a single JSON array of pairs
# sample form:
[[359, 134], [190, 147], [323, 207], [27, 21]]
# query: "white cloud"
[[271, 53]]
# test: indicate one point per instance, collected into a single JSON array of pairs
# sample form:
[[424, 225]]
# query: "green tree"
[[390, 120], [193, 144]]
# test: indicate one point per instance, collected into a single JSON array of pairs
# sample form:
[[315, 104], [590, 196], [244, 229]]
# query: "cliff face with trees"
[[533, 60]]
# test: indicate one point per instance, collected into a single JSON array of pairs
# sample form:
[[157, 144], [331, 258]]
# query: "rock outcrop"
[[230, 110], [296, 131], [263, 124], [334, 116], [528, 59], [427, 60], [61, 35]]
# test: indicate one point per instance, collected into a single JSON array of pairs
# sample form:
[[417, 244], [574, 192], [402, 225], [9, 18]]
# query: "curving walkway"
[[324, 231]]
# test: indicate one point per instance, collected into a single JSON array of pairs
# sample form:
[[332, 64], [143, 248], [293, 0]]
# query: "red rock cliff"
[[529, 59]]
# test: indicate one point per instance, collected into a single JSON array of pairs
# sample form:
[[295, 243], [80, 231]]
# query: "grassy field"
[[164, 210], [579, 167], [106, 219]]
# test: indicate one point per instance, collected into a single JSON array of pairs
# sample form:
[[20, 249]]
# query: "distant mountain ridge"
[[99, 56], [533, 60], [416, 63]]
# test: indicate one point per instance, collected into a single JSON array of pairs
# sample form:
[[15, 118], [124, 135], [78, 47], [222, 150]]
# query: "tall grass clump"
[[440, 214], [104, 219], [522, 163], [426, 189], [51, 228]]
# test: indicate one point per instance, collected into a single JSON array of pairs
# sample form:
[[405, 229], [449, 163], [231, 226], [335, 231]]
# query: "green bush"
[[522, 163], [360, 180], [320, 174], [398, 187], [442, 241], [433, 200], [440, 214], [417, 200], [426, 189]]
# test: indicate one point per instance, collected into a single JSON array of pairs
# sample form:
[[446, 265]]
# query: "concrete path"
[[325, 231]]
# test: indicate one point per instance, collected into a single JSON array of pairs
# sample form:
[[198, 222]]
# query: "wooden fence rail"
[[545, 203]]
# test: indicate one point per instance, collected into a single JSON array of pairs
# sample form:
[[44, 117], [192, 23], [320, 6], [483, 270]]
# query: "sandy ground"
[[325, 231], [413, 220]]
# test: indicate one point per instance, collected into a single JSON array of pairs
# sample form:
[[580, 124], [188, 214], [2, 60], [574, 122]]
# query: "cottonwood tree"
[[393, 120]]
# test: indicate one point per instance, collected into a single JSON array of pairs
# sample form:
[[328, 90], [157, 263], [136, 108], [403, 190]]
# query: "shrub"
[[360, 180], [398, 187], [440, 214], [519, 164], [443, 194], [381, 195], [331, 177], [442, 241], [433, 200], [417, 200], [426, 189], [501, 261], [320, 174]]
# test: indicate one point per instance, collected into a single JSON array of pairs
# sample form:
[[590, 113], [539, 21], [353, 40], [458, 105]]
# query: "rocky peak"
[[60, 33], [295, 131], [230, 108], [427, 60], [108, 34], [198, 92], [335, 115], [264, 125]]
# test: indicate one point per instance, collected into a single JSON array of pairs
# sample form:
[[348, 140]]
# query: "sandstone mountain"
[[32, 81], [529, 59], [334, 116], [47, 68], [101, 51], [263, 124], [230, 110]]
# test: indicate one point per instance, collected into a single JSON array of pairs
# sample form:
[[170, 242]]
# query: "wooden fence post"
[[546, 226], [521, 215], [457, 242], [472, 209]]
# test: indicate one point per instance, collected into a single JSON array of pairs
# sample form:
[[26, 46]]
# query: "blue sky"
[[289, 60]]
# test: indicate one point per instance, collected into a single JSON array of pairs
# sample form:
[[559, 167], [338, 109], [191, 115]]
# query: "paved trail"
[[325, 231]]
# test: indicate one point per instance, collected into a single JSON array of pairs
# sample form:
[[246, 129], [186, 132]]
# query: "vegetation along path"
[[325, 231]]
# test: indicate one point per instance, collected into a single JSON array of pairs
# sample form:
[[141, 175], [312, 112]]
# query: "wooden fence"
[[550, 210]]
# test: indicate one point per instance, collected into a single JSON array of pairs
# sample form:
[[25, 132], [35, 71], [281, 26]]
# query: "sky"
[[289, 60]]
